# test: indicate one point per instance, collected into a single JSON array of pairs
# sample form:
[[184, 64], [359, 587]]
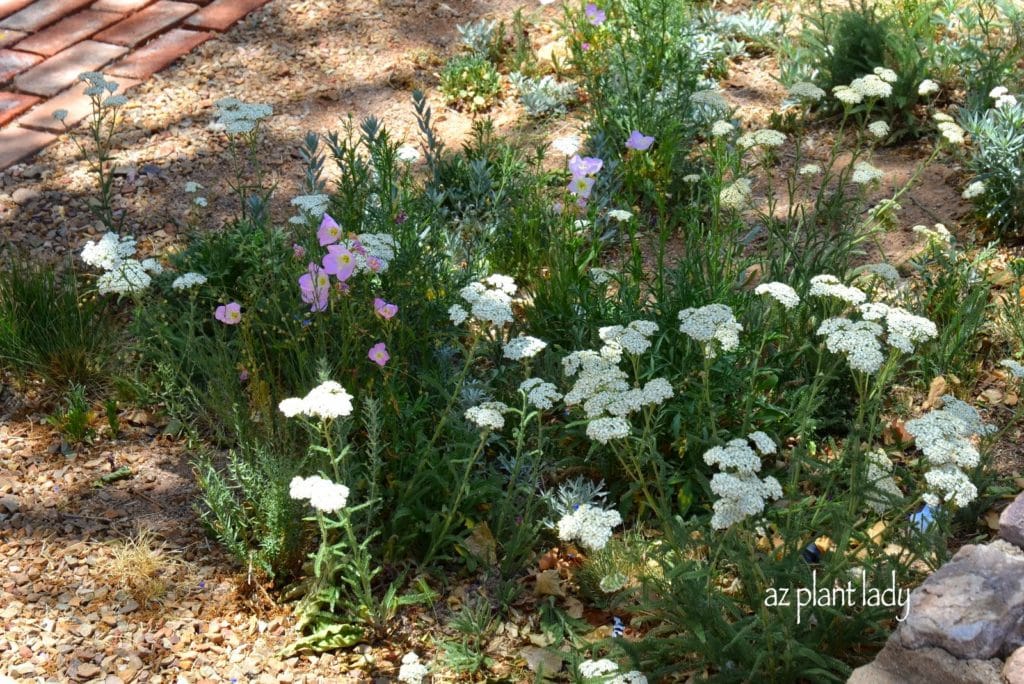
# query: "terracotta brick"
[[62, 70], [42, 13], [67, 32], [18, 143], [156, 55], [13, 63], [73, 101], [219, 15], [122, 6], [13, 104], [9, 7], [10, 37], [147, 23]]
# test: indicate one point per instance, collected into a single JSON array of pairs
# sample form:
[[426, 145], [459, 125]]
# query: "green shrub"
[[997, 163], [470, 81]]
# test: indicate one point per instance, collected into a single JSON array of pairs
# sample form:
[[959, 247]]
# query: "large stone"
[[897, 665], [1013, 671], [1011, 522], [972, 607]]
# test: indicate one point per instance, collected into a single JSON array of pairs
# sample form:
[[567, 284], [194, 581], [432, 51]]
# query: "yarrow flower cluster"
[[488, 415], [884, 271], [743, 494], [188, 280], [489, 300], [927, 87], [766, 137], [590, 526], [713, 324], [809, 170], [523, 347], [949, 129], [607, 672], [780, 292], [856, 340], [872, 85], [804, 90], [736, 196], [1002, 97], [236, 117], [827, 285], [904, 328], [864, 173], [975, 189], [939, 234], [879, 129], [322, 494], [721, 128], [412, 670], [122, 274], [946, 437], [634, 338], [326, 401], [540, 394]]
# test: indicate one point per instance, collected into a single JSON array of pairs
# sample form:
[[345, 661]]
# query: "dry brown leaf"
[[548, 583], [935, 390], [992, 519], [574, 607], [481, 543], [992, 396]]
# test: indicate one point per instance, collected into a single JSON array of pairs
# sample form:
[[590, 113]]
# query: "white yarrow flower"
[[780, 292], [188, 280], [412, 671], [927, 87], [879, 129], [326, 401], [540, 394], [589, 525], [975, 189], [488, 415], [827, 285], [710, 324], [523, 347]]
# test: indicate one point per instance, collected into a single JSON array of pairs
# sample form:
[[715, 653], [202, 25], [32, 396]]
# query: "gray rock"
[[1011, 522], [972, 607], [897, 665], [1013, 671]]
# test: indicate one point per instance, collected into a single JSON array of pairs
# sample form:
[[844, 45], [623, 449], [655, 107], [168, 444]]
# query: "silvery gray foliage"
[[542, 96]]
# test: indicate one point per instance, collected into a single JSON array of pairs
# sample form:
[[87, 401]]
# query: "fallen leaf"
[[992, 519], [574, 607], [548, 583], [481, 543], [935, 390], [992, 396]]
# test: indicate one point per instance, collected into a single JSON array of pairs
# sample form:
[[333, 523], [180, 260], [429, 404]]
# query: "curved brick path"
[[46, 44]]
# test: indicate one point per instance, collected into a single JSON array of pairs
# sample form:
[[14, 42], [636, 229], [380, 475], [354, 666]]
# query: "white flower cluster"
[[372, 252], [780, 292], [323, 495], [236, 117], [589, 525], [108, 251], [489, 300], [884, 271], [857, 340], [939, 235], [412, 670], [827, 285], [603, 388], [879, 129], [764, 443], [710, 324], [946, 438], [975, 189], [872, 85], [1002, 97], [847, 95], [523, 347], [634, 338], [809, 170], [540, 394], [188, 280], [721, 128], [567, 145], [736, 196], [883, 488], [325, 401], [949, 128], [864, 173], [123, 274], [886, 74], [620, 215], [927, 87], [766, 137], [310, 207], [743, 493], [904, 328], [805, 90], [488, 415], [607, 672]]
